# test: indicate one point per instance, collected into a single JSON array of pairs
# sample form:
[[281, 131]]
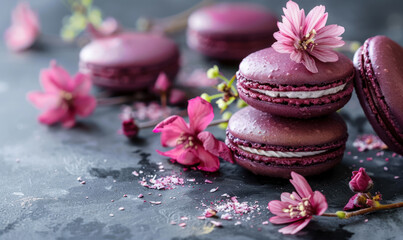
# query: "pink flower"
[[360, 181], [108, 27], [192, 144], [129, 126], [63, 96], [306, 38], [299, 207], [162, 84], [177, 96], [24, 29]]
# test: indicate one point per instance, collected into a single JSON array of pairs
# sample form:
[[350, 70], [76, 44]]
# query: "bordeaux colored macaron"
[[274, 146], [273, 83], [230, 31], [129, 61], [379, 87]]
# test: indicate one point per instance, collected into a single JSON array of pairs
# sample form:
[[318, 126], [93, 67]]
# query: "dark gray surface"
[[39, 165]]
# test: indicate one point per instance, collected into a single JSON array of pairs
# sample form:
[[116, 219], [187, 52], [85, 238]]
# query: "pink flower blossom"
[[307, 37], [108, 27], [24, 29], [63, 96], [193, 146], [177, 96], [360, 181], [162, 84], [129, 126], [298, 207]]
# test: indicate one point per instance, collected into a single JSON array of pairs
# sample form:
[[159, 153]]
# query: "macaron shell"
[[256, 126], [259, 168], [233, 19], [268, 66], [386, 59], [373, 105], [129, 49]]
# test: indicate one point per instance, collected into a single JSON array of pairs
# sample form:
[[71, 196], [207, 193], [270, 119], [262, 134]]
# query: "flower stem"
[[153, 123], [366, 210]]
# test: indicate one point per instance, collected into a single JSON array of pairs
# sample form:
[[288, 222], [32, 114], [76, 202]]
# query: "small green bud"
[[222, 104], [206, 97], [241, 103], [213, 72], [221, 87], [341, 214]]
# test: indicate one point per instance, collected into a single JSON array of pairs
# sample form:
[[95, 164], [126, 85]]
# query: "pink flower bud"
[[129, 128], [162, 84], [360, 181], [177, 96]]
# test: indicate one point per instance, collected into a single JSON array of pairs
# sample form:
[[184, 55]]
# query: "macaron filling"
[[285, 155], [374, 97], [279, 153], [301, 94], [304, 95]]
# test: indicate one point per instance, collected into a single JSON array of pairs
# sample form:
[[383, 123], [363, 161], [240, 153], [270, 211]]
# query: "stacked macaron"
[[291, 123], [230, 31]]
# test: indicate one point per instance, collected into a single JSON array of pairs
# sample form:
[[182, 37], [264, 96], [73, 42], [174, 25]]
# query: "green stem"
[[218, 95], [365, 210], [223, 78]]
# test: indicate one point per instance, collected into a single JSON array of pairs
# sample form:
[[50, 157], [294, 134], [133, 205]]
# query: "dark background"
[[40, 197]]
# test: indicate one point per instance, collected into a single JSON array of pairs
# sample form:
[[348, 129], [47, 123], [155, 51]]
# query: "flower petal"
[[44, 101], [84, 105], [55, 78], [172, 128], [80, 85], [200, 114], [276, 207], [301, 185], [208, 162], [282, 220], [286, 197], [309, 63], [324, 55], [69, 120], [316, 19], [295, 227], [319, 203], [181, 155], [53, 116], [215, 147]]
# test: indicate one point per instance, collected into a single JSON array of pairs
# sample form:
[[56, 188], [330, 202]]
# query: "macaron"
[[129, 61], [230, 31], [275, 146], [379, 87], [273, 83]]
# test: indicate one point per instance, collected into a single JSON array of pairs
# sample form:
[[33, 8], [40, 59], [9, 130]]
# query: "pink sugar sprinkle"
[[385, 168], [207, 181], [121, 209], [173, 223], [237, 223], [226, 216], [387, 159], [396, 177], [155, 202], [366, 220], [166, 183], [216, 223], [135, 173], [213, 189], [394, 154], [265, 222], [349, 153], [184, 218], [182, 225], [361, 161], [369, 142], [125, 195], [369, 158], [83, 182], [201, 217]]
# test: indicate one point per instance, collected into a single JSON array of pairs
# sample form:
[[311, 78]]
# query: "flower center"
[[302, 209], [308, 41], [66, 96], [187, 141]]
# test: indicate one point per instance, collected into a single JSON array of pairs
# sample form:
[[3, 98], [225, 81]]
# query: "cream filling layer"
[[301, 94], [280, 154]]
